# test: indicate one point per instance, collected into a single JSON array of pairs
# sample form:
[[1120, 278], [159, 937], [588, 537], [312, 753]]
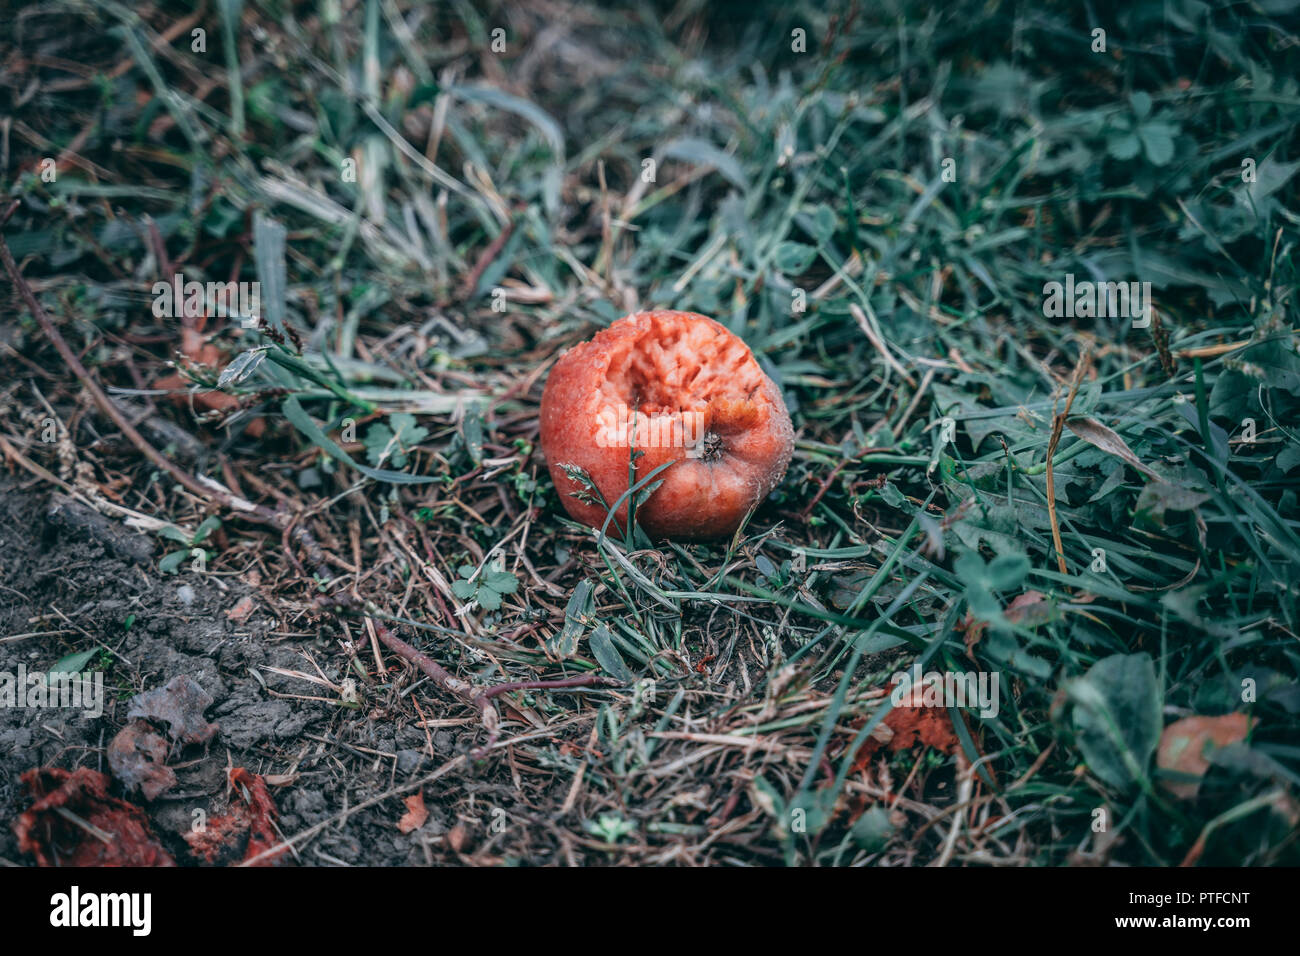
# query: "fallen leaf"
[[138, 758], [1031, 609], [111, 832], [974, 631], [416, 813], [927, 726], [1095, 433], [1160, 496], [180, 705], [242, 611], [1186, 746], [456, 837], [909, 726]]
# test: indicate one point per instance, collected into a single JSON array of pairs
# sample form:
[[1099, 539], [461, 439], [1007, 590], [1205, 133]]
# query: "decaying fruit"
[[678, 387]]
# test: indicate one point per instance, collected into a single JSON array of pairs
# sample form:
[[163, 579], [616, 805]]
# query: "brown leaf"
[[456, 837], [927, 726], [1186, 746], [180, 705], [974, 631], [415, 814], [138, 758], [1095, 433], [242, 611], [1030, 609]]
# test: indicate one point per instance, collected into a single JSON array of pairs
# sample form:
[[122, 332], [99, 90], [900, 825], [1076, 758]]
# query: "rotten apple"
[[680, 388]]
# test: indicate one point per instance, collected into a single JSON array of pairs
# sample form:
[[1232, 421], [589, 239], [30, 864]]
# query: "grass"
[[433, 221]]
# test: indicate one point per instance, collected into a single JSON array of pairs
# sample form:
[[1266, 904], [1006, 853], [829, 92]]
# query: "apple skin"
[[700, 400]]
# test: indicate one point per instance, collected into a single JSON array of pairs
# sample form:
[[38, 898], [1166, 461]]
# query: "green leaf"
[[503, 582], [1270, 176], [872, 830], [1158, 497], [488, 599], [175, 533], [1116, 717], [471, 428], [73, 663], [1003, 649], [393, 439], [1124, 146], [607, 655], [378, 442], [1007, 571], [823, 224], [816, 806], [464, 589], [576, 617], [209, 525], [642, 496], [408, 432], [891, 495], [983, 604], [268, 255], [794, 258], [170, 562], [769, 800], [703, 153], [1158, 141], [523, 108]]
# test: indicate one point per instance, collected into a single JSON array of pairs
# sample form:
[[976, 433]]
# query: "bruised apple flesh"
[[683, 389]]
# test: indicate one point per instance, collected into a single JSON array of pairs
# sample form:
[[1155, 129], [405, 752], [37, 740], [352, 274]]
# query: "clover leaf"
[[1141, 132], [394, 439], [488, 590]]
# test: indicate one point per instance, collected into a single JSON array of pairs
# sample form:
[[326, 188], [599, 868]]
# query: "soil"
[[72, 580], [82, 580]]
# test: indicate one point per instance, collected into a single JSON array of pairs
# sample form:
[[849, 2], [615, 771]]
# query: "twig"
[[485, 258], [1057, 426], [873, 336], [86, 825], [587, 680], [964, 787], [480, 700]]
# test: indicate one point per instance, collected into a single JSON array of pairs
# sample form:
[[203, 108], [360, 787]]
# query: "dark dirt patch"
[[87, 581]]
